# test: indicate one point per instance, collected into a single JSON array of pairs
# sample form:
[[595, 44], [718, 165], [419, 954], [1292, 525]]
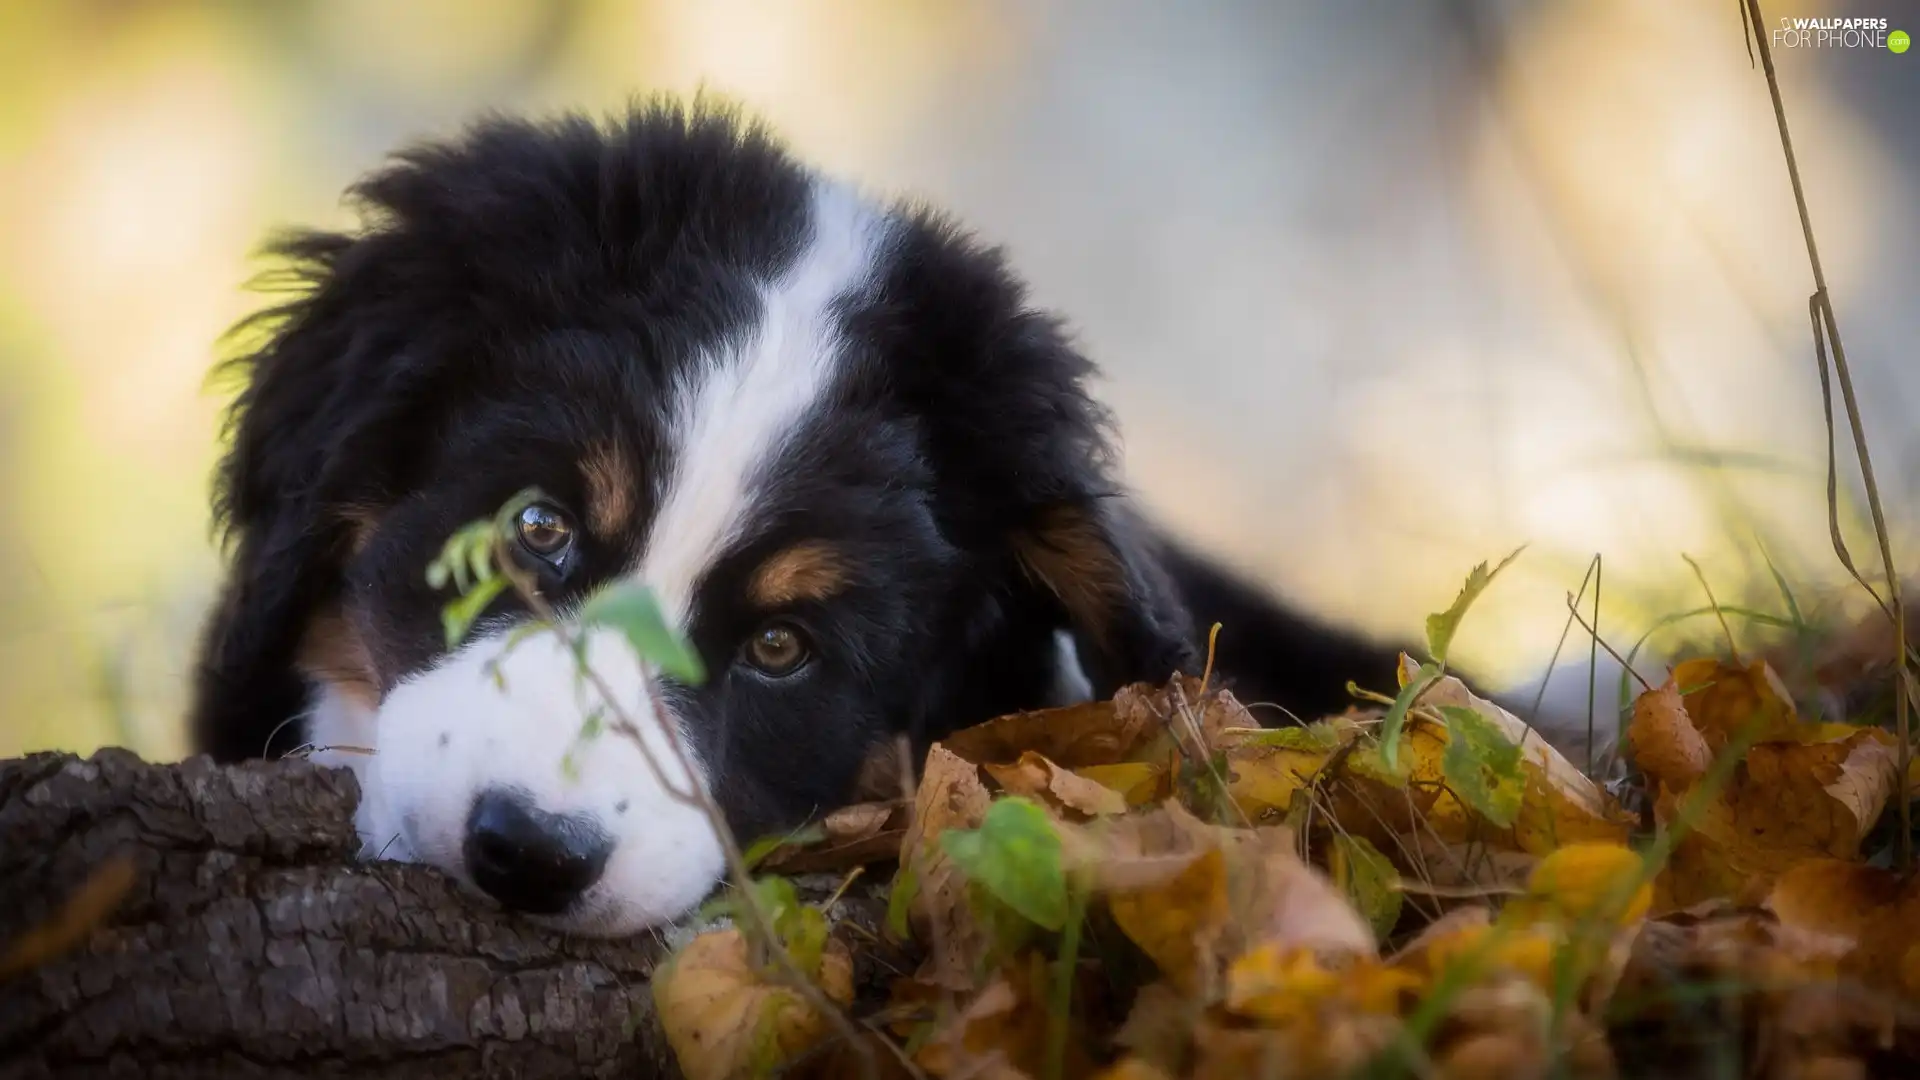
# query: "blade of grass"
[[1826, 330]]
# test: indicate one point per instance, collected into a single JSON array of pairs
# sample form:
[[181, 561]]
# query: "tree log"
[[234, 934]]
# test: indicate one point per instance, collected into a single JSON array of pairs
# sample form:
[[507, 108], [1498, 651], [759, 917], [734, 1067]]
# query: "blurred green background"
[[1383, 289]]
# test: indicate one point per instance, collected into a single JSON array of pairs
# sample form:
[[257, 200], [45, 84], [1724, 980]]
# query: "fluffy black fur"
[[525, 294]]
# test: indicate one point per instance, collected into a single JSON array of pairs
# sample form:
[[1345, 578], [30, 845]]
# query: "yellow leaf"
[[1139, 782], [1178, 924], [1266, 769], [1586, 883], [1290, 988], [1059, 789], [1482, 950], [724, 1021]]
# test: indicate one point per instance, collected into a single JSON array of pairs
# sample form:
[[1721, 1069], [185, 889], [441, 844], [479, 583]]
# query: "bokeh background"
[[1382, 289]]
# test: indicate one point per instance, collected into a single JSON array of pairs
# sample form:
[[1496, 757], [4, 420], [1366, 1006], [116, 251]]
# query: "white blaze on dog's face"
[[861, 477], [480, 766]]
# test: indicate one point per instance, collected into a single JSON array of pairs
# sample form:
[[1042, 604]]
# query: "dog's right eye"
[[545, 533]]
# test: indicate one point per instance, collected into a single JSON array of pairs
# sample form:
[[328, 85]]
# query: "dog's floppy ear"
[[1102, 563], [1026, 456], [280, 503]]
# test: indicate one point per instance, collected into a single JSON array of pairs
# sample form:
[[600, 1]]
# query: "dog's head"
[[863, 478]]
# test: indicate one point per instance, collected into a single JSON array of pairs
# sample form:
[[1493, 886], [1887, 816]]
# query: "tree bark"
[[249, 942]]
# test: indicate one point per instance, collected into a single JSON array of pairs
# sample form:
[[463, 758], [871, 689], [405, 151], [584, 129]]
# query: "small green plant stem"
[[1824, 320], [1060, 1009]]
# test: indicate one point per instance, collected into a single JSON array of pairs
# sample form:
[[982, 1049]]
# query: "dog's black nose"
[[528, 859]]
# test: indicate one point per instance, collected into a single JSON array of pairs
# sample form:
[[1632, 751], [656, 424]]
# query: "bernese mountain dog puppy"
[[863, 477]]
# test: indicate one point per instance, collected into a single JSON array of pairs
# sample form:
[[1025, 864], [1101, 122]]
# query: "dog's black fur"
[[530, 292]]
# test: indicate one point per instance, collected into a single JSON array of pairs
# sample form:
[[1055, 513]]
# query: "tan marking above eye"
[[810, 570], [611, 487]]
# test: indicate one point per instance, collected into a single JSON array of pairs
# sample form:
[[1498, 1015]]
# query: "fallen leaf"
[[1867, 912], [1036, 777], [1277, 898], [1159, 1027], [1769, 979], [1666, 745], [1267, 768], [951, 796], [1178, 923], [1002, 1032], [1072, 736], [724, 1020], [1138, 851], [856, 835], [1280, 985], [1560, 805], [1785, 802], [1596, 884], [1725, 700], [1016, 855], [1369, 880], [1140, 783], [1337, 1042]]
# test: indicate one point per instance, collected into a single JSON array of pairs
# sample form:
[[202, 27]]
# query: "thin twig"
[[1644, 684], [1733, 647], [1822, 306]]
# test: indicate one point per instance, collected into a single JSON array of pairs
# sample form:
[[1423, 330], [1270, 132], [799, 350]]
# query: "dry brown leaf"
[[1072, 736], [1278, 898], [854, 835], [1779, 999], [1178, 924], [1560, 805], [1868, 912], [1337, 1044], [951, 796], [1786, 802], [1831, 896], [1159, 1027], [1002, 1032], [724, 1020], [1058, 789], [1427, 861], [1138, 851], [1725, 699], [1666, 745]]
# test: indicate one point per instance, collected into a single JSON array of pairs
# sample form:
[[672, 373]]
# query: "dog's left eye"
[[544, 532]]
